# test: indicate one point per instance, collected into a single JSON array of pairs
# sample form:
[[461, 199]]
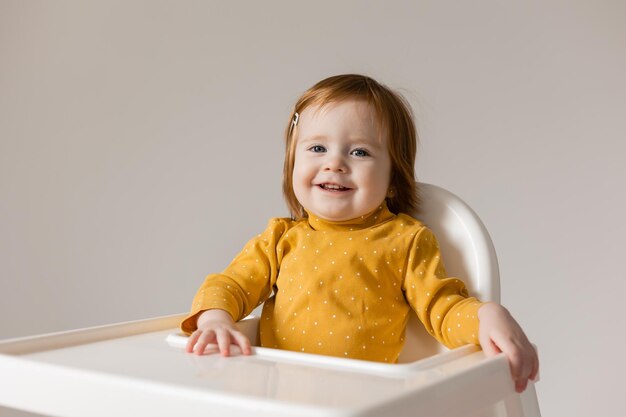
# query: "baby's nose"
[[335, 163]]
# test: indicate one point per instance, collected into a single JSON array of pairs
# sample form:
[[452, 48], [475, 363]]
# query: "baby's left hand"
[[499, 332]]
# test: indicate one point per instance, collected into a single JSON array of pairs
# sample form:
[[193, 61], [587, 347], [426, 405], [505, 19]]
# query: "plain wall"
[[141, 146]]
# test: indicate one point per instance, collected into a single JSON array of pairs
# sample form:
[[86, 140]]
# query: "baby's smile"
[[328, 186]]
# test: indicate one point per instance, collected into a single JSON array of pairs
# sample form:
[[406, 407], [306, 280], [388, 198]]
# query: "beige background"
[[141, 146]]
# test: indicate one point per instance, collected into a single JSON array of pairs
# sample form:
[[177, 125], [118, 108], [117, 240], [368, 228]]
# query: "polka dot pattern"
[[343, 288]]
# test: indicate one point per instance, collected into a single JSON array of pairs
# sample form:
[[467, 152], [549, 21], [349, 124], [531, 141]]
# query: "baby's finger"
[[207, 337], [192, 341], [521, 367], [242, 341], [531, 364], [223, 341], [535, 371]]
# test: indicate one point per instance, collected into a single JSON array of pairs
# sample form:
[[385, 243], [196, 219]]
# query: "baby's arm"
[[450, 316], [499, 332], [231, 295], [217, 326]]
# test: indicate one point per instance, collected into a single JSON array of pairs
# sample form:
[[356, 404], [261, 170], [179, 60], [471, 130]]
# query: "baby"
[[342, 275]]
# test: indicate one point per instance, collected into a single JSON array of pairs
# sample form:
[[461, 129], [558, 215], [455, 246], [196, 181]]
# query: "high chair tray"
[[139, 369]]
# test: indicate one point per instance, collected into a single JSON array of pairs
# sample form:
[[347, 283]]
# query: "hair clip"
[[294, 121]]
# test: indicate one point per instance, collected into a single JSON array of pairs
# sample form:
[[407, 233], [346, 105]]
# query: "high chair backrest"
[[467, 252]]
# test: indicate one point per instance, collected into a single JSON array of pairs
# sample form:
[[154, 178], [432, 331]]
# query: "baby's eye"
[[317, 148], [360, 153]]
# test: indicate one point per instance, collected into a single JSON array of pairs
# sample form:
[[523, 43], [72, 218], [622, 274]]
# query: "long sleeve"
[[441, 303], [246, 282]]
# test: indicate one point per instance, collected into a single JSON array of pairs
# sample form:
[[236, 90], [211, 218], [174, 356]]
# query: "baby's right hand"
[[217, 326]]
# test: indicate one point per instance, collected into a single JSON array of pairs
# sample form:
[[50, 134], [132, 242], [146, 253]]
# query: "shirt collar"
[[379, 215]]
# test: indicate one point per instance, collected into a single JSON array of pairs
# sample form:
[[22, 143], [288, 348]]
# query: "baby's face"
[[342, 167]]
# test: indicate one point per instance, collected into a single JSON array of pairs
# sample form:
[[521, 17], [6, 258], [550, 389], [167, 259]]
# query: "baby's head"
[[350, 144]]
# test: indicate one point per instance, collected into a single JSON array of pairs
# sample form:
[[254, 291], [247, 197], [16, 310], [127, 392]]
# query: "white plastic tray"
[[139, 369]]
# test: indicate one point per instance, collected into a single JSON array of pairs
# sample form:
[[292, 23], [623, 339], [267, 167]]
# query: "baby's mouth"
[[333, 187]]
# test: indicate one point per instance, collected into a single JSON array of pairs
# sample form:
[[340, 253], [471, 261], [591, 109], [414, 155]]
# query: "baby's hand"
[[216, 326], [499, 332]]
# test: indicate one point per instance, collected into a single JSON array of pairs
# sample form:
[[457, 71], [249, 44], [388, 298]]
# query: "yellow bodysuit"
[[343, 288]]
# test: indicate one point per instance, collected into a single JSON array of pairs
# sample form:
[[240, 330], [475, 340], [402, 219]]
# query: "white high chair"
[[128, 369]]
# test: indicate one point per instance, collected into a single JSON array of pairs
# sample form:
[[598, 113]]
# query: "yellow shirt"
[[343, 288]]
